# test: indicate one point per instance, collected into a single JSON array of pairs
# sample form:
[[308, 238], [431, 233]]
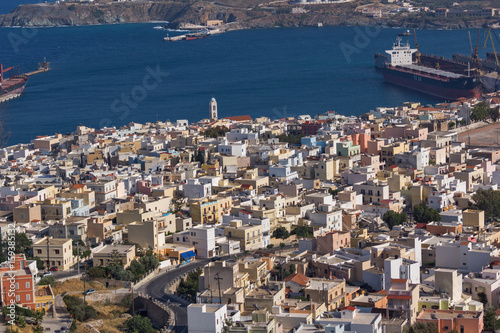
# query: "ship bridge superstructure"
[[401, 53]]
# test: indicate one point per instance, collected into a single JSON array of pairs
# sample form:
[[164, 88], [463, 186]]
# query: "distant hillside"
[[246, 14]]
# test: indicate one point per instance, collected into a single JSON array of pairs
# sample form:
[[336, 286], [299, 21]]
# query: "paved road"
[[157, 285]]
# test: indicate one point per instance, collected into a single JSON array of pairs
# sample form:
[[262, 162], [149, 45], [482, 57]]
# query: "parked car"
[[64, 329], [54, 269], [89, 291], [46, 274], [216, 258]]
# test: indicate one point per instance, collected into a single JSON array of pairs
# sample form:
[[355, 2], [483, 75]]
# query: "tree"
[[270, 246], [302, 231], [47, 280], [292, 268], [200, 157], [38, 316], [490, 319], [190, 286], [214, 132], [21, 322], [334, 192], [480, 111], [482, 298], [227, 325], [487, 200], [139, 324], [392, 218], [425, 214], [79, 310], [494, 113], [116, 258], [281, 232], [451, 125]]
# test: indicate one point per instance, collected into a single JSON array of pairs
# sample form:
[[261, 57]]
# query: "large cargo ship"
[[399, 68], [12, 86]]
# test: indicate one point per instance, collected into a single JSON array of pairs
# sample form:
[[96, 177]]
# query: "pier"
[[38, 71]]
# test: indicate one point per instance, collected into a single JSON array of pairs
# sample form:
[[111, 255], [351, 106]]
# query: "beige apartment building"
[[330, 292], [146, 234], [58, 251], [111, 254], [27, 213], [249, 236]]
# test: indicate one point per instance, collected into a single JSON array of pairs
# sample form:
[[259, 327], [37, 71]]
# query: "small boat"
[[197, 36], [406, 33]]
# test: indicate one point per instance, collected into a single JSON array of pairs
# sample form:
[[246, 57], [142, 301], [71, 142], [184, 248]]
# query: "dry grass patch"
[[110, 313], [73, 285]]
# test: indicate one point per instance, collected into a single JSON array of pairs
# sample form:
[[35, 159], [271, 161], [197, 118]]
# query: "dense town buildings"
[[291, 211]]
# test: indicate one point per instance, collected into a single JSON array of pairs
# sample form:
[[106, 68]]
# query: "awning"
[[187, 255]]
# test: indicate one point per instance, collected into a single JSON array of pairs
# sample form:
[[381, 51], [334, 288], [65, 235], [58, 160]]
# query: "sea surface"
[[6, 6], [112, 75]]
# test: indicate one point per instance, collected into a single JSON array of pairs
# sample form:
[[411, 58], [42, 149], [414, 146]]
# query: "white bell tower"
[[213, 109]]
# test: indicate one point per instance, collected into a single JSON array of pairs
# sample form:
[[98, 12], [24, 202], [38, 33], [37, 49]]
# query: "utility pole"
[[84, 278], [218, 278], [48, 253], [78, 260], [133, 303]]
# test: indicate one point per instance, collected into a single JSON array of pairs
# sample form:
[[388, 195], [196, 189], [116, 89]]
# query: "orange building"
[[17, 282], [449, 320], [441, 228]]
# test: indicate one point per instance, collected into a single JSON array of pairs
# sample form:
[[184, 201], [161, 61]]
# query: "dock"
[[38, 71]]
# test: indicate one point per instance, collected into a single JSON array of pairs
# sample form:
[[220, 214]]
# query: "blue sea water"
[[6, 6], [269, 72]]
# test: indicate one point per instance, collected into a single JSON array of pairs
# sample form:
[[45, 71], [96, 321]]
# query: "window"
[[28, 297], [39, 251], [56, 251], [27, 285]]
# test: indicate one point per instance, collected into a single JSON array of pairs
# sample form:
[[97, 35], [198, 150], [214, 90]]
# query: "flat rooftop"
[[448, 314]]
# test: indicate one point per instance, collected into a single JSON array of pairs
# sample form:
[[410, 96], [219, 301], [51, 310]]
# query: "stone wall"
[[158, 312]]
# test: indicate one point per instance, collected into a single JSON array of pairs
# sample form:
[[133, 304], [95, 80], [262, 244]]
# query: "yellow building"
[[55, 210], [44, 297], [210, 210], [388, 152]]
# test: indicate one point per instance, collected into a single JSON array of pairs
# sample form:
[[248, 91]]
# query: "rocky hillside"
[[244, 13]]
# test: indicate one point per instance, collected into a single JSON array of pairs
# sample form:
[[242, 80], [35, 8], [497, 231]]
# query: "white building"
[[399, 268], [194, 189], [464, 256], [206, 318], [241, 134], [202, 237], [326, 217], [233, 148], [354, 320]]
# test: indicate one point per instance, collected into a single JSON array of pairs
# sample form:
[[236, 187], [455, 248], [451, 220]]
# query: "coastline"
[[176, 14]]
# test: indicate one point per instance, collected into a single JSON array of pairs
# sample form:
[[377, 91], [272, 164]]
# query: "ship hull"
[[12, 88], [448, 89]]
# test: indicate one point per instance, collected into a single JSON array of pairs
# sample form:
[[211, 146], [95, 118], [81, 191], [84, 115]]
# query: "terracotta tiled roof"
[[298, 278], [239, 118], [350, 308]]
